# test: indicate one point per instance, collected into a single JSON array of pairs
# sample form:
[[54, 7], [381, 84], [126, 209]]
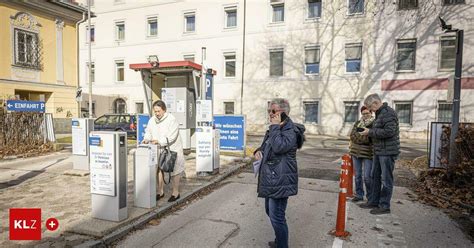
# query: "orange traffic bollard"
[[341, 205], [341, 215], [347, 163]]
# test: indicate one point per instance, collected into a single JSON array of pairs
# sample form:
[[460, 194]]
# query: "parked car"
[[117, 122]]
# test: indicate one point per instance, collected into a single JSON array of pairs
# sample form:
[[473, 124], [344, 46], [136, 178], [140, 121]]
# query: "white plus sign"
[[51, 224]]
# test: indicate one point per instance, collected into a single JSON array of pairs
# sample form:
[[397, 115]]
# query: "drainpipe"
[[243, 63], [77, 58]]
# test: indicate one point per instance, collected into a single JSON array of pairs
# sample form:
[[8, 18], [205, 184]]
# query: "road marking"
[[337, 243]]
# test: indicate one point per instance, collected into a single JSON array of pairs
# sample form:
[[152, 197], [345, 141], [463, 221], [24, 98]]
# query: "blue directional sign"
[[25, 106], [232, 130], [142, 123]]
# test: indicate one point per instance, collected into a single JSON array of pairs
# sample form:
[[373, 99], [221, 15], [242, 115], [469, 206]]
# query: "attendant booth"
[[179, 85]]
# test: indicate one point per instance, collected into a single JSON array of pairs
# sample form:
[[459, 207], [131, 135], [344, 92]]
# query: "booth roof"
[[169, 64]]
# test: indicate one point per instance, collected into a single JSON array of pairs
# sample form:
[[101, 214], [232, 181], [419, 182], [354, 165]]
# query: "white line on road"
[[337, 243]]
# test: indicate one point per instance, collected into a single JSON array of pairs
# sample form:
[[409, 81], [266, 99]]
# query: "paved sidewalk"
[[40, 182], [233, 216]]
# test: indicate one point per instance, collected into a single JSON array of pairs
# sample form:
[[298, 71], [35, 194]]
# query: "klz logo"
[[25, 224]]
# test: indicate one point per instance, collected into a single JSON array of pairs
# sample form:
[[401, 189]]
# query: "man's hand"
[[145, 141], [365, 132], [154, 142], [258, 155], [276, 119]]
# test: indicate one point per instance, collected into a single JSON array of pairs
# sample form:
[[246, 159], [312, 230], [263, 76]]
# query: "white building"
[[324, 56]]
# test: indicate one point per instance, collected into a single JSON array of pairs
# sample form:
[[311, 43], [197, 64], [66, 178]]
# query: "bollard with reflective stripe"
[[341, 205], [350, 166]]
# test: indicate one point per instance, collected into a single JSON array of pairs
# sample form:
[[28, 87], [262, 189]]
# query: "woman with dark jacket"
[[361, 150], [278, 173]]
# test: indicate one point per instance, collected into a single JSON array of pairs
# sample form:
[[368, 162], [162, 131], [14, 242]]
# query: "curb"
[[143, 220]]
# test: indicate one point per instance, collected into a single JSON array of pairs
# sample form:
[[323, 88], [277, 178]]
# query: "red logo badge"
[[25, 224], [52, 224]]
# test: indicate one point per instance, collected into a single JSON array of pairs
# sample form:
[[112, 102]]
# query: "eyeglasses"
[[272, 111]]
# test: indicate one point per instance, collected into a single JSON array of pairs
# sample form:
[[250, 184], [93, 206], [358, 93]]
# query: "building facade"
[[39, 54], [324, 56]]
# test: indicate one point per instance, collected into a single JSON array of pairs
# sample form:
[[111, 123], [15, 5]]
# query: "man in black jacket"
[[386, 141]]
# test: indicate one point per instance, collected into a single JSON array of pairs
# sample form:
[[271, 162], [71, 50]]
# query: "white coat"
[[167, 128]]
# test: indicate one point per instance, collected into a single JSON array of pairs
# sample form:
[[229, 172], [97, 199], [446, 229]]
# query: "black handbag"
[[167, 161]]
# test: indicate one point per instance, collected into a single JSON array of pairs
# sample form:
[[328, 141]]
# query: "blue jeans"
[[363, 175], [275, 209], [382, 186]]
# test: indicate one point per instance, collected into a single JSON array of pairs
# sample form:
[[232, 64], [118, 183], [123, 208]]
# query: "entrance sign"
[[232, 132], [102, 165], [26, 106]]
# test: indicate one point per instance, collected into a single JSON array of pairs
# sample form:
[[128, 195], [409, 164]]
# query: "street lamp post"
[[453, 155], [90, 56]]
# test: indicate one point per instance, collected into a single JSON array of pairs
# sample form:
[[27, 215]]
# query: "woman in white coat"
[[162, 127]]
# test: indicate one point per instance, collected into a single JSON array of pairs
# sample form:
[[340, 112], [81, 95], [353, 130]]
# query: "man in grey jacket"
[[386, 142]]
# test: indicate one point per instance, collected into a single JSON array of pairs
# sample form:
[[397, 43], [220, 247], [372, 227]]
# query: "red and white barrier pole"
[[341, 205]]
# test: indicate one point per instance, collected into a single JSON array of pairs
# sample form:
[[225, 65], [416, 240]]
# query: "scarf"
[[364, 123]]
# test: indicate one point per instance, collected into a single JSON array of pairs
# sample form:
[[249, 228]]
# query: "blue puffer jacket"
[[278, 175]]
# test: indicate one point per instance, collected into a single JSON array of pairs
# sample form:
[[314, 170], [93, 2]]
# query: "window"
[[119, 71], [406, 55], [278, 10], [189, 22], [314, 9], [92, 34], [276, 62], [27, 51], [312, 60], [355, 7], [404, 110], [139, 107], [120, 31], [152, 23], [100, 121], [189, 57], [311, 111], [229, 65], [120, 106], [351, 111], [445, 111], [447, 60], [231, 17], [92, 71], [353, 57], [407, 4], [229, 108], [452, 2]]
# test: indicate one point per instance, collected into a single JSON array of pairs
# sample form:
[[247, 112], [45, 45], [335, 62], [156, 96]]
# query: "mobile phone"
[[360, 129], [283, 116]]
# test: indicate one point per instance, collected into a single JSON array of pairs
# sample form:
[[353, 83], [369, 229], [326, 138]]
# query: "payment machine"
[[145, 169], [108, 175]]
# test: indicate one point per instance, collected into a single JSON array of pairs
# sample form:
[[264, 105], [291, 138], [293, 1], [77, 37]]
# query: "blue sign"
[[75, 123], [142, 123], [209, 82], [232, 130], [25, 106], [94, 141]]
